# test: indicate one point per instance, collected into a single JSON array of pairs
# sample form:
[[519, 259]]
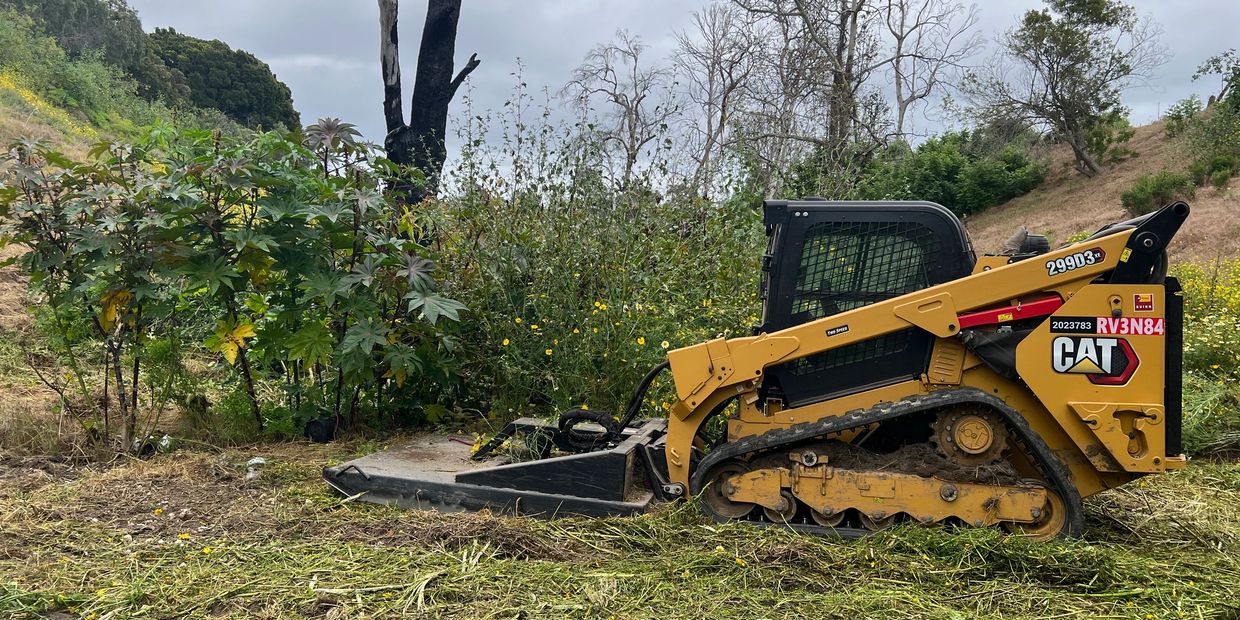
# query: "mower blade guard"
[[436, 472]]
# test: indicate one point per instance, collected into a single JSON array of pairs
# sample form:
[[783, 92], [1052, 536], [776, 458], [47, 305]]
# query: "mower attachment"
[[437, 472]]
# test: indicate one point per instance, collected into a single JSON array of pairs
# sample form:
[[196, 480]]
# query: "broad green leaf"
[[324, 285], [417, 271], [210, 273], [432, 306], [401, 361], [366, 270], [312, 344], [364, 336]]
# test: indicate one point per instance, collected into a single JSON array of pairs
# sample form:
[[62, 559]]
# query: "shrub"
[[1181, 114], [956, 171], [1151, 192], [281, 264], [1199, 172], [1219, 179], [1211, 356], [577, 288]]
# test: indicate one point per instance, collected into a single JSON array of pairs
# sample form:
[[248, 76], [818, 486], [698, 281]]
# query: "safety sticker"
[[1106, 325], [1143, 302], [1105, 361]]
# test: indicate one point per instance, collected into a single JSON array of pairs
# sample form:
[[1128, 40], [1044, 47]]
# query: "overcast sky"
[[327, 50]]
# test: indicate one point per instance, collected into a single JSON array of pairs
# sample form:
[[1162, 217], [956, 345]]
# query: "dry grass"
[[1068, 203], [186, 535]]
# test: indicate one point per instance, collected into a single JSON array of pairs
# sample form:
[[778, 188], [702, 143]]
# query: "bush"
[[1151, 192], [577, 288], [1181, 114], [283, 265], [957, 170], [1219, 179], [1211, 356]]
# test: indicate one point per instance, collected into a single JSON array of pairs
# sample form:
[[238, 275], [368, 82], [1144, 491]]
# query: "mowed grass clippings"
[[188, 535]]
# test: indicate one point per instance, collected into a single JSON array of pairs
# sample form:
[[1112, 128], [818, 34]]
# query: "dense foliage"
[[169, 67], [1151, 192], [37, 74], [1211, 356], [270, 282], [284, 260], [963, 171], [107, 27], [231, 81]]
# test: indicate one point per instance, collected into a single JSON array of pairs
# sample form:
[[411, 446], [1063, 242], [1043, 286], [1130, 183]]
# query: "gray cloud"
[[326, 50]]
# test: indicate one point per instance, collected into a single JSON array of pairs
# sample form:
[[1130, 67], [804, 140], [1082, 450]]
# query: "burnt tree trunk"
[[420, 142]]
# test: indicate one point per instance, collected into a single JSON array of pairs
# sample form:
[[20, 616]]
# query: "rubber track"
[[1055, 471]]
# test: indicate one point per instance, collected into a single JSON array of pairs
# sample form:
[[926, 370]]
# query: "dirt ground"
[[1068, 203]]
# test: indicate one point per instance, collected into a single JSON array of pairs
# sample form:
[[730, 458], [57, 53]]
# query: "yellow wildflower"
[[548, 351], [517, 320], [740, 562], [183, 536], [641, 340], [665, 344], [596, 330], [576, 331], [506, 342], [207, 550], [585, 407], [534, 327], [158, 511]]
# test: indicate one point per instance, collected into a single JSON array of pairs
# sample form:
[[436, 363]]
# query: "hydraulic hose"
[[612, 429]]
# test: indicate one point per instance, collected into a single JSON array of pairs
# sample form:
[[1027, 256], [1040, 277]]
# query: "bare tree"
[[829, 66], [1065, 67], [614, 74], [714, 61], [931, 40], [420, 142]]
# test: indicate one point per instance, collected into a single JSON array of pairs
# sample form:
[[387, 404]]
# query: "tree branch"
[[464, 73]]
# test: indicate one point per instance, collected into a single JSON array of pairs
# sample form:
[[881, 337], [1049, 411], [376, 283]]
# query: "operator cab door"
[[824, 258]]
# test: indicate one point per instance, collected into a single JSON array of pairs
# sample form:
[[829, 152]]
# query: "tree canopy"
[[234, 82], [109, 27]]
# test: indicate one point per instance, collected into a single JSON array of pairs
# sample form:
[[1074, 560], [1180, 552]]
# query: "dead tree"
[[931, 40], [420, 142], [613, 74], [714, 62]]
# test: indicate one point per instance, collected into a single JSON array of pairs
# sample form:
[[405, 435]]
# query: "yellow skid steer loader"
[[895, 377]]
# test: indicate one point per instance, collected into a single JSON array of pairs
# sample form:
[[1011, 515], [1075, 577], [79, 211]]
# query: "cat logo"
[[1105, 361]]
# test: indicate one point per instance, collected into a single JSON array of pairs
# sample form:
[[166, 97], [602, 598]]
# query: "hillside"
[[1068, 203]]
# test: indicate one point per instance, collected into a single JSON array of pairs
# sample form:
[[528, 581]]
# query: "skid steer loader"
[[895, 377]]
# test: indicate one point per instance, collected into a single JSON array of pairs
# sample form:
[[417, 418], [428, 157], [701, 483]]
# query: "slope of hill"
[[1068, 203]]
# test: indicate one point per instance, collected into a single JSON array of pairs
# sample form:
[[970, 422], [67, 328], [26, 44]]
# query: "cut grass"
[[185, 535]]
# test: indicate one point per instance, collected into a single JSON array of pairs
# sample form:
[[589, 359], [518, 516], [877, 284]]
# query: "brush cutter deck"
[[437, 472]]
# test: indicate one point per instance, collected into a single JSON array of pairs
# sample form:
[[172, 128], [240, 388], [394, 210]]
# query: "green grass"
[[185, 535]]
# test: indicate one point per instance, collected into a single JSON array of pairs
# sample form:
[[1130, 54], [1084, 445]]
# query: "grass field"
[[187, 535]]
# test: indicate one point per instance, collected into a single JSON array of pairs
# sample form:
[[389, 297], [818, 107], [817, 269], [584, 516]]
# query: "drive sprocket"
[[969, 435]]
